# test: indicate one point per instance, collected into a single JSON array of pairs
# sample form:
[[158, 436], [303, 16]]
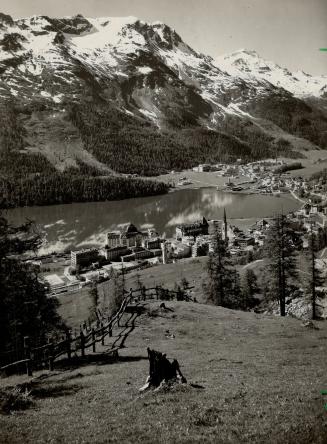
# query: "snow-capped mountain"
[[56, 75], [114, 51], [249, 65]]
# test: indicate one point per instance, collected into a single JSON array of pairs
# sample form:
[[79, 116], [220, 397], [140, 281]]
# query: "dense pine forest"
[[29, 179], [129, 145], [16, 165], [65, 188]]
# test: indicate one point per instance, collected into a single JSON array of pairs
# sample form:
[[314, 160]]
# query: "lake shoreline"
[[84, 225]]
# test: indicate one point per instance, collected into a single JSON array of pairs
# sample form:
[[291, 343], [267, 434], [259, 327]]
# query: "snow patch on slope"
[[145, 69]]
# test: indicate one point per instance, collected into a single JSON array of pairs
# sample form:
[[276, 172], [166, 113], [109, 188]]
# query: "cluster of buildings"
[[263, 176], [191, 240], [222, 169], [197, 238], [250, 169], [194, 239], [127, 244], [273, 184], [130, 244], [310, 216]]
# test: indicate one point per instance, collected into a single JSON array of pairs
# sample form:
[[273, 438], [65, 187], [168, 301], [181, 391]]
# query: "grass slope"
[[261, 380], [75, 307], [166, 275]]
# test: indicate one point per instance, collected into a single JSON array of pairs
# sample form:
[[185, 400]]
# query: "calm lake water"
[[81, 225]]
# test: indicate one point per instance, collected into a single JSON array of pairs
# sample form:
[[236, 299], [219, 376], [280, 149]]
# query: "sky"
[[288, 32]]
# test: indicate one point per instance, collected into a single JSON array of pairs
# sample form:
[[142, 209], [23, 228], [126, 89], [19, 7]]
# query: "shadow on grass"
[[22, 396], [98, 359], [110, 356], [133, 358], [123, 335], [54, 390]]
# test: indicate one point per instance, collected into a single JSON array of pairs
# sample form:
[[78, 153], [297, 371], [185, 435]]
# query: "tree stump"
[[162, 370]]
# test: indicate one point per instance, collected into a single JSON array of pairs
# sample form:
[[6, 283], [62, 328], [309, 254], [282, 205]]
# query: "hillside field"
[[256, 379]]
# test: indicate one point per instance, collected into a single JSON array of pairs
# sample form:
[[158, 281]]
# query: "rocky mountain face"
[[249, 65], [122, 94]]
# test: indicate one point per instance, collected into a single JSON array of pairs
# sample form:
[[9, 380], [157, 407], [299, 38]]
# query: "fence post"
[[93, 340], [82, 344], [68, 339], [102, 333], [51, 357], [110, 329], [28, 355], [157, 292]]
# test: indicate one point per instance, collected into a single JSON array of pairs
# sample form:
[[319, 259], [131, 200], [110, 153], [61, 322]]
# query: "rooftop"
[[85, 250], [195, 224]]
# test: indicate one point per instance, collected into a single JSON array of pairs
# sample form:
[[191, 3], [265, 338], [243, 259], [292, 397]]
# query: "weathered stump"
[[162, 370]]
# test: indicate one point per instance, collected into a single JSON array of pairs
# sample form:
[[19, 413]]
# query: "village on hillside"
[[130, 248]]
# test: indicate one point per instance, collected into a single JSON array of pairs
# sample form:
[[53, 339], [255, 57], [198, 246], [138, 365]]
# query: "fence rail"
[[33, 358]]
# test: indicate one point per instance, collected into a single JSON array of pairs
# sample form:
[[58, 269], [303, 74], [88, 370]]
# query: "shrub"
[[15, 399]]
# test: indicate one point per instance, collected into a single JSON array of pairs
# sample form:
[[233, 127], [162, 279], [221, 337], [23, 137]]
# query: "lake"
[[81, 225]]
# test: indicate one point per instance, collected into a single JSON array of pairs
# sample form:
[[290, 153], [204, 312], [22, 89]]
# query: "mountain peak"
[[6, 20], [245, 51], [122, 20], [249, 65]]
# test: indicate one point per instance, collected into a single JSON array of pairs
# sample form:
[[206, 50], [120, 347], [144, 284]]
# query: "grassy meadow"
[[251, 379]]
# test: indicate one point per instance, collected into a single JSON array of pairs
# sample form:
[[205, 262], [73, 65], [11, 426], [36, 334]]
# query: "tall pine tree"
[[25, 309], [281, 245], [249, 288], [315, 279], [223, 286]]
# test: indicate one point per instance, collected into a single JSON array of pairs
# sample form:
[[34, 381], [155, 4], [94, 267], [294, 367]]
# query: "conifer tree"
[[281, 244], [249, 288], [223, 284], [315, 279], [25, 309]]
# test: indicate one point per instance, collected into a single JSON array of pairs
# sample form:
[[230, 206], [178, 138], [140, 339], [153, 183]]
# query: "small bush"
[[15, 399]]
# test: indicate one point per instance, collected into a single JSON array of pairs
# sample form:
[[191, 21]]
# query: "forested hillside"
[[28, 178], [65, 188], [133, 146]]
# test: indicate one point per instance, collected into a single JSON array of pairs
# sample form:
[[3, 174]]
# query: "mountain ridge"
[[59, 75], [248, 63]]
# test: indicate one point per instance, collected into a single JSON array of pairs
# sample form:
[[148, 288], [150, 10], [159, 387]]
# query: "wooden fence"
[[34, 358]]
